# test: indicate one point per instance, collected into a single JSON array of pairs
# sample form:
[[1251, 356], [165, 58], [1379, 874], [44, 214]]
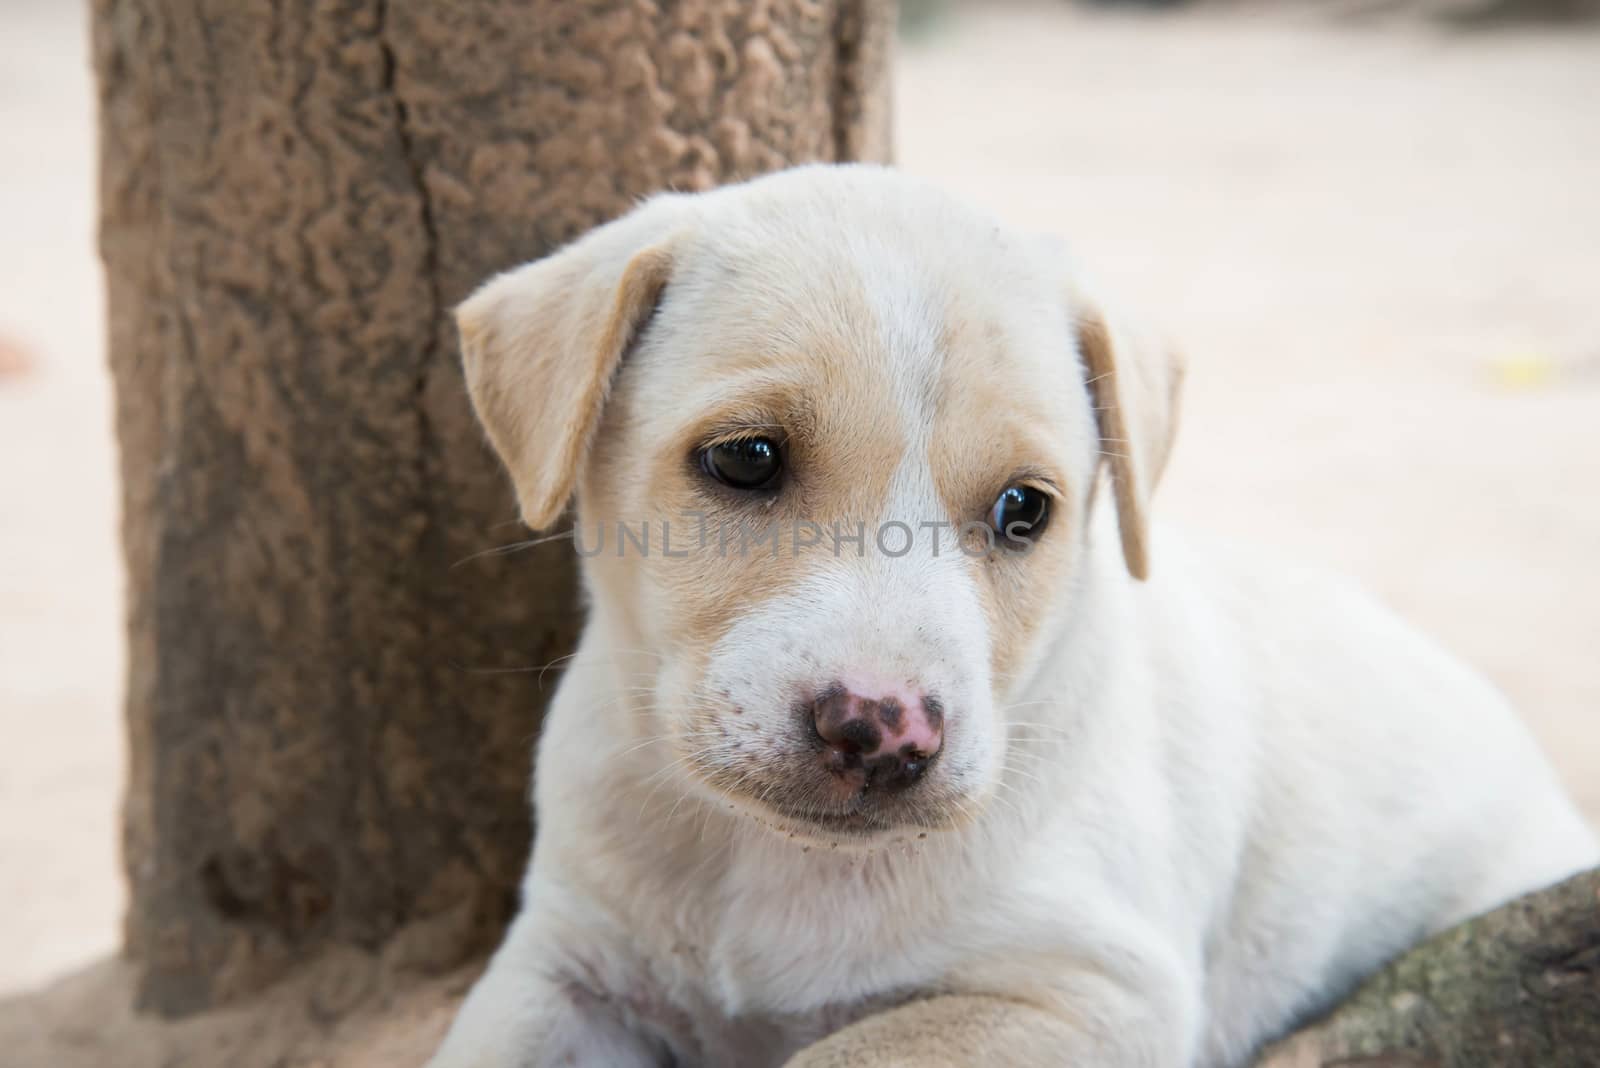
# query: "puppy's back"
[[1393, 792]]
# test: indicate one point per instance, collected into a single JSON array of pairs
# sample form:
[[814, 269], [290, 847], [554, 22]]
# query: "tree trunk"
[[1516, 988], [332, 695]]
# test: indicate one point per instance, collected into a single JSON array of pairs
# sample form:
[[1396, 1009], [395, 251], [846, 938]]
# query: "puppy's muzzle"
[[876, 744]]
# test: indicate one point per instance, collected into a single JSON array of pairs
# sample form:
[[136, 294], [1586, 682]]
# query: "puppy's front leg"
[[963, 1030], [520, 1014]]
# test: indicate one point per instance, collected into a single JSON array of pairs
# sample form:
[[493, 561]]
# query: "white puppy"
[[881, 747]]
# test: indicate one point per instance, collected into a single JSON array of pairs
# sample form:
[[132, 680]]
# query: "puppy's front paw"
[[832, 1055], [958, 1031]]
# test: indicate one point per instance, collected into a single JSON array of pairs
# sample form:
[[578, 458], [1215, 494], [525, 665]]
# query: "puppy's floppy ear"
[[1133, 382], [541, 343]]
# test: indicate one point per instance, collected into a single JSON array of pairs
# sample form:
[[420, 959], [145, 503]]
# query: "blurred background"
[[1373, 227]]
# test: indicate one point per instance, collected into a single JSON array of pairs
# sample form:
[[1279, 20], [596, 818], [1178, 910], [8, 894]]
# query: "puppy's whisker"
[[713, 854], [1053, 757], [683, 795], [1028, 704], [513, 547], [1012, 769], [657, 739], [682, 765], [1004, 794]]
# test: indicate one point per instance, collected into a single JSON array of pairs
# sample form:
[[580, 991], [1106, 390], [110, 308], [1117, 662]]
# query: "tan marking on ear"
[[541, 345], [1134, 385], [642, 284]]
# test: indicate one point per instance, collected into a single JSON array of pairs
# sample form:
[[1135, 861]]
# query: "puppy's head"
[[834, 440]]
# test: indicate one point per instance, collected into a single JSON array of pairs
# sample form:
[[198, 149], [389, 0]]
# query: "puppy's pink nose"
[[888, 740]]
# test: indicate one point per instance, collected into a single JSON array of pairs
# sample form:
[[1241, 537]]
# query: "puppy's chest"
[[700, 1028], [758, 978]]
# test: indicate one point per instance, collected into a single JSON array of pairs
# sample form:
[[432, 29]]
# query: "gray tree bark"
[[330, 701], [1516, 988]]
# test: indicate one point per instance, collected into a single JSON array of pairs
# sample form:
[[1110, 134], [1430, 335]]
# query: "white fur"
[[1206, 805]]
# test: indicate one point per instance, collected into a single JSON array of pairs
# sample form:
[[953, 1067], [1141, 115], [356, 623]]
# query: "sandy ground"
[[60, 566], [1380, 245]]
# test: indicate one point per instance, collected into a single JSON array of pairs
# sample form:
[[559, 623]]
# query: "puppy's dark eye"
[[1019, 515], [746, 464]]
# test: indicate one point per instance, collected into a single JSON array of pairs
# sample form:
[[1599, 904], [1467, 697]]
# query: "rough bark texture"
[[329, 735], [1517, 988]]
